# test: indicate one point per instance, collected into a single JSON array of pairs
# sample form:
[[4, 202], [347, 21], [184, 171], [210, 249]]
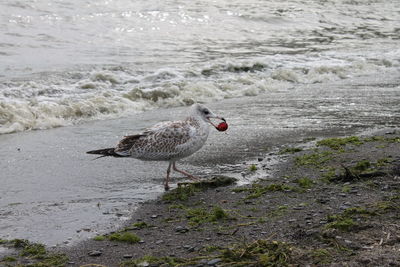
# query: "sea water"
[[66, 62]]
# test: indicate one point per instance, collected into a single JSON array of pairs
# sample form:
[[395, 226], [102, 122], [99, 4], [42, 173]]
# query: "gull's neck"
[[198, 121]]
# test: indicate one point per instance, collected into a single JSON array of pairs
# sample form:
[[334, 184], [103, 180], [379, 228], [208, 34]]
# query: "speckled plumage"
[[167, 141]]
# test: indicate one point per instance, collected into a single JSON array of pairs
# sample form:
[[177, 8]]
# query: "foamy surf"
[[103, 94]]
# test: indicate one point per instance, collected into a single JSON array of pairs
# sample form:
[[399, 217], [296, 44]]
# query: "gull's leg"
[[166, 186], [184, 173]]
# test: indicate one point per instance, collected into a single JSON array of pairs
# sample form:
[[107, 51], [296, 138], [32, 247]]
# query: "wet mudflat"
[[333, 201], [336, 202]]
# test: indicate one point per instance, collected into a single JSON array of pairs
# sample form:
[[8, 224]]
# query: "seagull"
[[167, 141]]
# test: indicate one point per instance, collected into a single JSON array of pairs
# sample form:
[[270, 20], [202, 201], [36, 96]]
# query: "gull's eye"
[[206, 111]]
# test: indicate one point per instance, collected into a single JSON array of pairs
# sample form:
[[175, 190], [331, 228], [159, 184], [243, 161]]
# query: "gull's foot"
[[166, 187]]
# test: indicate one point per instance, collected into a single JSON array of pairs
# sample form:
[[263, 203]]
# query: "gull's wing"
[[158, 142]]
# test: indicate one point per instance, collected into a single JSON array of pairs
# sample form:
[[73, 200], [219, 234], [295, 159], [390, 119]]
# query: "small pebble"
[[154, 216], [385, 187], [159, 242], [127, 256], [189, 248], [214, 261], [95, 253], [181, 229], [365, 261]]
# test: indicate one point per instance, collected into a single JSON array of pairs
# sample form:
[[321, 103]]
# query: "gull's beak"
[[215, 117]]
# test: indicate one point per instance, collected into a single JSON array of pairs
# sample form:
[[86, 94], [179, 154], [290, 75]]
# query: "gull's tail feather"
[[106, 152]]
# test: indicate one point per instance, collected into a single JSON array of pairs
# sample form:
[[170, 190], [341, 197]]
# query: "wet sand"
[[303, 214]]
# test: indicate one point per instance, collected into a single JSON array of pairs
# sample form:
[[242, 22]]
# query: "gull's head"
[[204, 113]]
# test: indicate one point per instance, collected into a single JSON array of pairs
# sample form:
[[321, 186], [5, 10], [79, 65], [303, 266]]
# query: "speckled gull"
[[167, 141]]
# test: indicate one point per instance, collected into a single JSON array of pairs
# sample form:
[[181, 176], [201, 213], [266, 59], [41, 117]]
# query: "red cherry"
[[223, 126]]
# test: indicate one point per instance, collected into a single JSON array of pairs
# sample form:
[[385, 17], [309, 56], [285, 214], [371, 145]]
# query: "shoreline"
[[289, 211], [70, 192], [283, 120]]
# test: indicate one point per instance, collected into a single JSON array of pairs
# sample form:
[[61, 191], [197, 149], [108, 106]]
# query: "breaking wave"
[[77, 96]]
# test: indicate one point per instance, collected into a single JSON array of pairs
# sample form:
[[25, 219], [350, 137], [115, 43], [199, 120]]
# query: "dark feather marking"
[[105, 153], [127, 142]]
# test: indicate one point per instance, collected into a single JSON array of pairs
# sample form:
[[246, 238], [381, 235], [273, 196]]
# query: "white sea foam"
[[104, 94]]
